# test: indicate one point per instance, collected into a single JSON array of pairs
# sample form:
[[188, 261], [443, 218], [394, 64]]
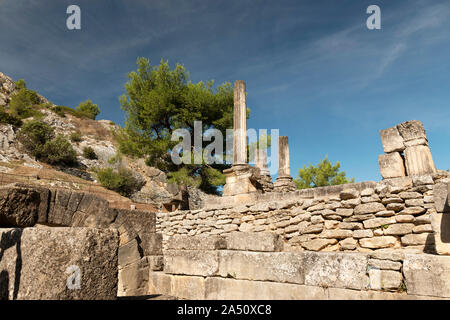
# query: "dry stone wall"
[[395, 213], [248, 266]]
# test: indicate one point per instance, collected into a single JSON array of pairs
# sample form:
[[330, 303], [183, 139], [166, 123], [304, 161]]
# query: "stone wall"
[[140, 250], [247, 266], [394, 213], [42, 263]]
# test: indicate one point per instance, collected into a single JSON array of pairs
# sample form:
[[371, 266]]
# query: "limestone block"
[[340, 270], [419, 161], [201, 242], [317, 244], [264, 266], [388, 254], [441, 194], [19, 207], [191, 288], [362, 234], [155, 263], [384, 279], [129, 253], [385, 264], [418, 239], [366, 208], [160, 283], [230, 289], [347, 194], [399, 229], [411, 130], [38, 263], [391, 165], [440, 224], [391, 140], [133, 279], [191, 262], [254, 241], [378, 242], [378, 222], [348, 244], [427, 275]]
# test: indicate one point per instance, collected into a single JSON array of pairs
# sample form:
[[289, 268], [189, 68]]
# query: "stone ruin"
[[260, 240]]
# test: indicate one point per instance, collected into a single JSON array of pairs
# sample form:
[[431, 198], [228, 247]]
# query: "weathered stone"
[[372, 198], [440, 224], [417, 239], [427, 275], [404, 218], [348, 244], [315, 228], [413, 210], [391, 199], [414, 202], [351, 203], [378, 232], [336, 234], [201, 242], [133, 279], [129, 253], [386, 213], [391, 140], [395, 207], [367, 192], [366, 208], [254, 241], [422, 180], [424, 228], [317, 244], [416, 142], [399, 229], [418, 161], [38, 263], [230, 289], [350, 225], [385, 264], [388, 254], [441, 197], [347, 194], [391, 165], [160, 283], [362, 234], [384, 279], [262, 266], [19, 207], [344, 212], [155, 263], [359, 217], [410, 195], [378, 242], [317, 219], [191, 262], [411, 130], [188, 287], [335, 269], [423, 219], [378, 222]]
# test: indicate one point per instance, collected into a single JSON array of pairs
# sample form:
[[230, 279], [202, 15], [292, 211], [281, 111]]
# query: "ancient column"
[[239, 124], [261, 162], [284, 181]]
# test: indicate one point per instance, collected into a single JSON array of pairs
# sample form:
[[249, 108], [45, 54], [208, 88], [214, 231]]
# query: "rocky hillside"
[[97, 134]]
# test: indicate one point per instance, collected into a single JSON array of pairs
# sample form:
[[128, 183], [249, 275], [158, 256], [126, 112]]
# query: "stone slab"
[[202, 242], [419, 161], [254, 241], [427, 275], [133, 279], [191, 262], [391, 165], [340, 270], [38, 263], [391, 140], [264, 266]]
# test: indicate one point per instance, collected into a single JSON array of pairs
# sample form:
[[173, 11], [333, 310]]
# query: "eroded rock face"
[[19, 207], [43, 263]]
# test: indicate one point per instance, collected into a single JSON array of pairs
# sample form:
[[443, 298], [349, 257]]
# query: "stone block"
[[340, 270], [317, 244], [427, 275], [385, 264], [264, 266], [230, 289], [391, 140], [441, 195], [160, 283], [191, 262], [411, 130], [39, 263], [133, 279], [440, 223], [19, 207], [391, 165], [379, 242], [155, 263], [367, 208], [188, 287], [418, 161], [399, 229], [129, 253], [378, 222], [418, 239], [384, 279], [254, 241]]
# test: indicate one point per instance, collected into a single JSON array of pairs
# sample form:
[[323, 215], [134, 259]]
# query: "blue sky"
[[312, 68]]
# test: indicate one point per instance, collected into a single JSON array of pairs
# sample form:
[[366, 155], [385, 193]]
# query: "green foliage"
[[323, 174], [89, 153], [117, 158], [21, 84], [75, 136], [88, 109], [159, 100], [33, 136], [38, 139], [122, 181], [24, 102], [9, 119], [63, 110], [59, 151]]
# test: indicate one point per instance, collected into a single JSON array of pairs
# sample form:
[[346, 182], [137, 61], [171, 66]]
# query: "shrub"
[[75, 136], [122, 181], [22, 103], [89, 153], [9, 119], [34, 135], [21, 84], [89, 109], [59, 151]]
